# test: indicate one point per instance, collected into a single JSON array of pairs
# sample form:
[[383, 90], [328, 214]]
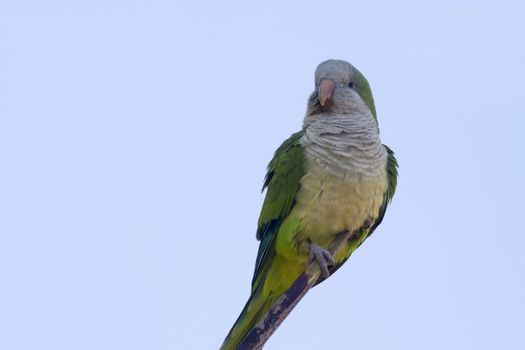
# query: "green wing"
[[282, 182], [391, 170]]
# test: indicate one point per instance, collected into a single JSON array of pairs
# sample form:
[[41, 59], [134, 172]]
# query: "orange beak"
[[326, 89]]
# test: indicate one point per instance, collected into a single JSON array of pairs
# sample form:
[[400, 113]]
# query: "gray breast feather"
[[346, 145]]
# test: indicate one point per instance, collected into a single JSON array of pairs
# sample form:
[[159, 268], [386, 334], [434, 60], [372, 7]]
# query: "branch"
[[262, 331]]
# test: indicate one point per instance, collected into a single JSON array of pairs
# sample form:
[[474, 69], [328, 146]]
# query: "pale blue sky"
[[134, 137]]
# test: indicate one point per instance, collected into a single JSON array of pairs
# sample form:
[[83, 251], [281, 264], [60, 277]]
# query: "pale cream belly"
[[328, 204]]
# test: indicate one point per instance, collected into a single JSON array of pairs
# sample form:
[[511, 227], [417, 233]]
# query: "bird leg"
[[323, 258]]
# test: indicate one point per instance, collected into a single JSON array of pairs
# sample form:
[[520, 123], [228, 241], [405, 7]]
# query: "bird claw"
[[323, 258]]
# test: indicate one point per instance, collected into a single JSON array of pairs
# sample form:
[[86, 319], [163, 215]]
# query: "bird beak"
[[326, 89]]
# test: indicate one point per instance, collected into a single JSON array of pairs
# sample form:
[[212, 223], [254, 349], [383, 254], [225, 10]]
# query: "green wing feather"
[[391, 168], [391, 171], [282, 182]]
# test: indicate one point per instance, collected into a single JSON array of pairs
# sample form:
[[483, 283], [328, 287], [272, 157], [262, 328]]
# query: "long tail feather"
[[255, 309]]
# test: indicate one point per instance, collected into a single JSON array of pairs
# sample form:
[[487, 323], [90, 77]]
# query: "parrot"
[[333, 175]]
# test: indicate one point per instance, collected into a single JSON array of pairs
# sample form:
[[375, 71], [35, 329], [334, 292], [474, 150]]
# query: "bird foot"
[[323, 258]]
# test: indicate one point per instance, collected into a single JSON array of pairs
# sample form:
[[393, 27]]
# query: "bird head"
[[339, 88]]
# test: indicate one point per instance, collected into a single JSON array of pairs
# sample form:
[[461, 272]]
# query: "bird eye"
[[351, 85]]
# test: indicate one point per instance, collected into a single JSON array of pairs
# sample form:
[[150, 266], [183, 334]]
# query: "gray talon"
[[323, 257]]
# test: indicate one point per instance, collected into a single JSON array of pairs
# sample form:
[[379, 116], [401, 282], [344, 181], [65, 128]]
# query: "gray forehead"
[[338, 70]]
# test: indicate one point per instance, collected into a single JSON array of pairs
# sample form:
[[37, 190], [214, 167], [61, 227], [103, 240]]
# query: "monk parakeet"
[[334, 175]]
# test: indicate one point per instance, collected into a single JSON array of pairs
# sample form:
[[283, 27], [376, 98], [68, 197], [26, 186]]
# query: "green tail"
[[254, 310], [273, 276]]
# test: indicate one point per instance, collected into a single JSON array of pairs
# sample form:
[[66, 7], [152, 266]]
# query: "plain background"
[[134, 137]]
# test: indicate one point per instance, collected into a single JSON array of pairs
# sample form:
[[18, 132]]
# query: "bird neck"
[[347, 145]]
